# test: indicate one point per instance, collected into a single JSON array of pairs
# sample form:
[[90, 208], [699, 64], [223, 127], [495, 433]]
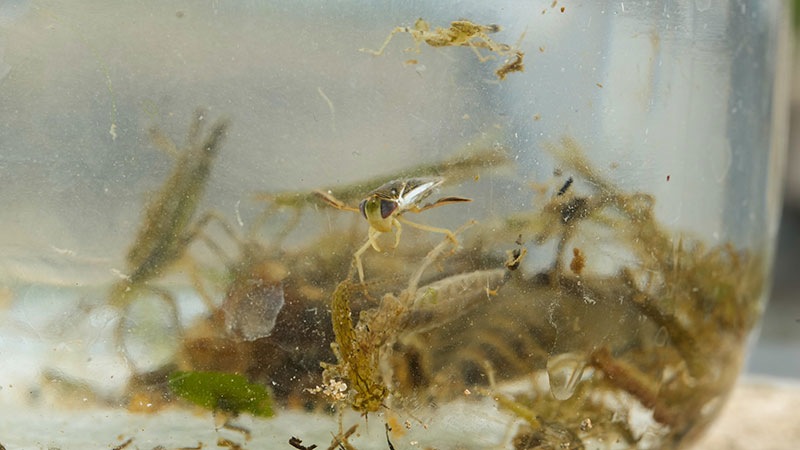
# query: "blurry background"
[[755, 416], [777, 349]]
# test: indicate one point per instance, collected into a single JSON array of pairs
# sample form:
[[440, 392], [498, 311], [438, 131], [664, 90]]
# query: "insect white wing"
[[415, 195]]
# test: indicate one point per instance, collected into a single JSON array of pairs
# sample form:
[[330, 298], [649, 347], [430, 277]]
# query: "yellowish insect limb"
[[360, 267], [197, 231], [444, 231], [290, 225], [197, 282], [262, 219], [372, 234], [357, 258], [440, 202], [481, 58], [399, 227], [221, 220], [333, 201], [379, 52]]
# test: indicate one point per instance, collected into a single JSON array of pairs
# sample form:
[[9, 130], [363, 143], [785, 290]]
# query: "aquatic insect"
[[168, 227], [358, 362], [383, 208], [462, 166], [461, 33]]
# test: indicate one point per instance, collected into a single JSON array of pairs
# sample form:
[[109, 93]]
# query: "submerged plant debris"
[[362, 348], [225, 392], [298, 444], [638, 351], [664, 331]]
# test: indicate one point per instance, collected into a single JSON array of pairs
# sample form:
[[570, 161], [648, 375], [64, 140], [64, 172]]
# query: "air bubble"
[[661, 337], [564, 373]]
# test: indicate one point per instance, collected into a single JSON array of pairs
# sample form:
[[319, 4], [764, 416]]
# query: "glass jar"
[[204, 202]]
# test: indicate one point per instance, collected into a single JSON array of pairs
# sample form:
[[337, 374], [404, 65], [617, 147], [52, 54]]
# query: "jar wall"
[[160, 161]]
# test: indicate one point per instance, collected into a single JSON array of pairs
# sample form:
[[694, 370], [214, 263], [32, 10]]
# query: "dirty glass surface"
[[372, 225]]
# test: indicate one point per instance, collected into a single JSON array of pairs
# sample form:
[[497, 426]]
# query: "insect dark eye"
[[387, 208], [361, 208]]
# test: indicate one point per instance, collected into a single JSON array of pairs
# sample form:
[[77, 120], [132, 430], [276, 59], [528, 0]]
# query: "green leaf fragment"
[[219, 391]]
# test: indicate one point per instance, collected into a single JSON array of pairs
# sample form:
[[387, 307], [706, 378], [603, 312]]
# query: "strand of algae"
[[689, 292], [702, 302], [360, 349]]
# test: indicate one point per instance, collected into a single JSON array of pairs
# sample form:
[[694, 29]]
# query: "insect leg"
[[379, 52], [372, 233], [487, 42], [357, 258], [440, 202], [203, 222], [399, 230], [419, 36], [170, 301], [333, 201], [444, 231], [297, 213], [477, 53], [197, 283], [261, 219], [214, 247], [228, 425]]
